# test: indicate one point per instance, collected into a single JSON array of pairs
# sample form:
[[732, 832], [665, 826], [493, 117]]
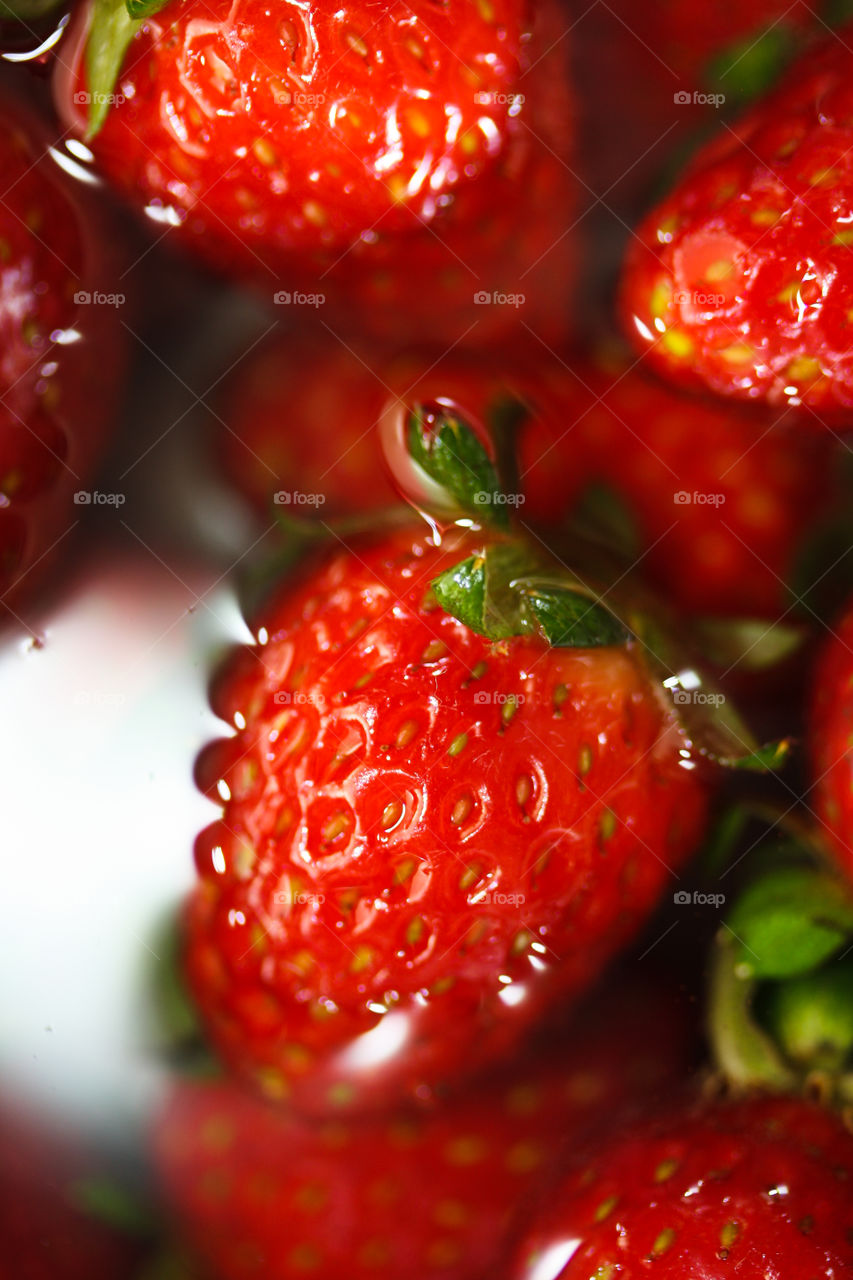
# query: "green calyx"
[[113, 26], [456, 477], [781, 984], [504, 591]]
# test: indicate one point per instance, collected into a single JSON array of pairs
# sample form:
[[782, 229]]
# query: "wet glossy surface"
[[389, 900]]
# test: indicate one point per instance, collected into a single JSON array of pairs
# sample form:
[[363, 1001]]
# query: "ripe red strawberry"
[[722, 502], [753, 1185], [755, 1188], [390, 164], [738, 280], [720, 529], [649, 77], [60, 365], [428, 1195], [299, 417], [831, 739], [49, 1183], [427, 837]]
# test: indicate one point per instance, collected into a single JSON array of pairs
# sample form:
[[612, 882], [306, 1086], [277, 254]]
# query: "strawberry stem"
[[780, 1006]]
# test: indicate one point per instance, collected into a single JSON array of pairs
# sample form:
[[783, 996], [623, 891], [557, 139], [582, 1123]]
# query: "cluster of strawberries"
[[530, 566]]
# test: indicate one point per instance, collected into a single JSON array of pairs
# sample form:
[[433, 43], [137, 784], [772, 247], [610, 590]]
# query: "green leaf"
[[752, 65], [572, 619], [113, 1205], [812, 1017], [144, 8], [603, 514], [499, 594], [110, 34], [791, 921], [457, 467], [461, 591], [747, 643]]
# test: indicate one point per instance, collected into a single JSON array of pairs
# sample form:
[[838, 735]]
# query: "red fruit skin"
[[630, 63], [400, 836], [754, 1189], [44, 1235], [723, 500], [831, 740], [398, 181], [62, 360], [738, 282], [429, 1195], [300, 415]]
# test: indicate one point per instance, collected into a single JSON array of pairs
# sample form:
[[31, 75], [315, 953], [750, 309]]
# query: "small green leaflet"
[[452, 458], [114, 24], [497, 595], [791, 921]]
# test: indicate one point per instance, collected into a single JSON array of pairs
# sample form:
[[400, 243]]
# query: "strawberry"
[[758, 1187], [427, 1195], [371, 162], [381, 908], [61, 361], [299, 417], [651, 76], [737, 281], [830, 739], [721, 529], [756, 1182], [61, 1213]]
